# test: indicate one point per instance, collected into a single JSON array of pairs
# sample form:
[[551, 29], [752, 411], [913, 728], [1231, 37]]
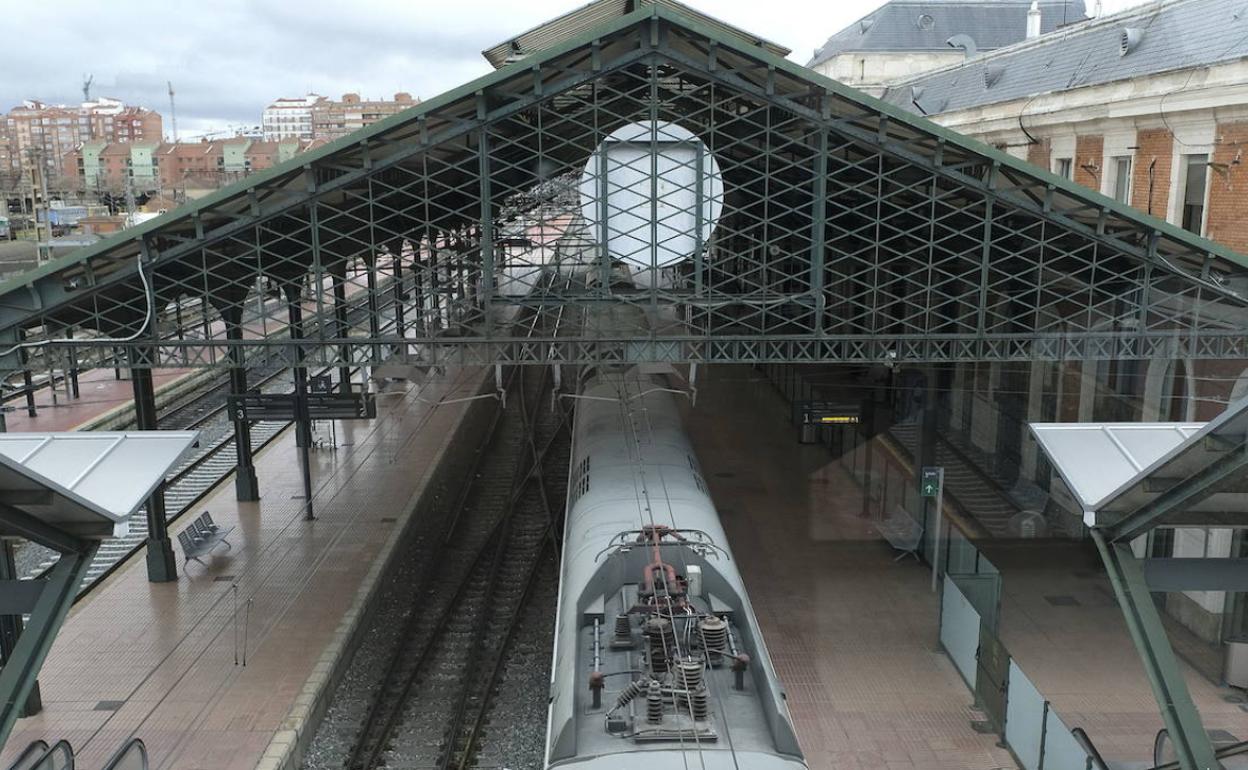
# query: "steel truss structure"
[[844, 230]]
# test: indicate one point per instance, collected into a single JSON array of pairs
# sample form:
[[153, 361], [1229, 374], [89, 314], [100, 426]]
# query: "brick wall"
[[1214, 382], [1039, 154], [1089, 153], [1227, 220], [1154, 145]]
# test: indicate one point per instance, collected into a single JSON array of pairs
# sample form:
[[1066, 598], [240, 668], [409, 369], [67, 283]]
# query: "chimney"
[[1033, 20]]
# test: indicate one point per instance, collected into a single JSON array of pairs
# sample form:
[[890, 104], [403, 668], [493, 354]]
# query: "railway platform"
[[100, 394], [207, 670], [854, 634]]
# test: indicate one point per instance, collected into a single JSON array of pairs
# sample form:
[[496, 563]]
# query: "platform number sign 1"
[[930, 482]]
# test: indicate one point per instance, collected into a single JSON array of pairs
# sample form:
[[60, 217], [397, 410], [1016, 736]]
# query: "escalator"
[[132, 755]]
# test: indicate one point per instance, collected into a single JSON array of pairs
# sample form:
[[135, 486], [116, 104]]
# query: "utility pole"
[[38, 166], [173, 111]]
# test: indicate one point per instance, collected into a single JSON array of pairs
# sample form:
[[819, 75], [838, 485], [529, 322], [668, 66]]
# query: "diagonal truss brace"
[[1190, 490], [1126, 573], [20, 671]]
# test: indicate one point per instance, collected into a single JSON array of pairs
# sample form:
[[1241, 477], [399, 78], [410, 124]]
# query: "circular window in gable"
[[925, 22]]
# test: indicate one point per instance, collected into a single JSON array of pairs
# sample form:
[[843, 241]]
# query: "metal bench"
[[202, 537], [205, 522], [902, 532]]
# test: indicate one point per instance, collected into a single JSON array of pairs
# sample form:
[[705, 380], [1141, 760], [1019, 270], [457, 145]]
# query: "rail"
[[29, 756], [1085, 742], [469, 596], [406, 663], [468, 721], [1219, 752], [185, 474], [131, 756]]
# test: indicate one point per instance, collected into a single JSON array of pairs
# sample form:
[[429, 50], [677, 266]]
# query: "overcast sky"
[[227, 59]]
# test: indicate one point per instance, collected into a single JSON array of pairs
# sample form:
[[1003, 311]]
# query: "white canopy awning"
[[1114, 469], [86, 483]]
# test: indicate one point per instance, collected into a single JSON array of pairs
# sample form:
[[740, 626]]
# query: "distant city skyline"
[[229, 59]]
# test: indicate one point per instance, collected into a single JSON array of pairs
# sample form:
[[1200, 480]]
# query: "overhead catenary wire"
[[646, 515], [630, 405]]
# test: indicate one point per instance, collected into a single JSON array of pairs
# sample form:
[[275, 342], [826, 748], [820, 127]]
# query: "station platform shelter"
[[636, 183]]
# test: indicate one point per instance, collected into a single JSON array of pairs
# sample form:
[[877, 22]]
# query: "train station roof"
[[85, 484], [1133, 476], [851, 231], [585, 18]]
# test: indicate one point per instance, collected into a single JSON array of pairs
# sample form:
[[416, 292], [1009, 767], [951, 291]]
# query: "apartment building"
[[289, 118], [35, 130], [159, 167], [332, 119]]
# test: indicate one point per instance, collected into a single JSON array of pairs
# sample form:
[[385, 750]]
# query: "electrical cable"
[[147, 320], [646, 513], [671, 514]]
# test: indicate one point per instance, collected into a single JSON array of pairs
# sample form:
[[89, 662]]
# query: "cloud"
[[227, 59]]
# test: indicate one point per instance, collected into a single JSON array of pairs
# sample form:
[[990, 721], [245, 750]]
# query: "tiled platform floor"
[[854, 635], [1081, 658], [167, 652], [98, 392]]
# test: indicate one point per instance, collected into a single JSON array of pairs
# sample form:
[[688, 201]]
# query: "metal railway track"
[[513, 573], [433, 701]]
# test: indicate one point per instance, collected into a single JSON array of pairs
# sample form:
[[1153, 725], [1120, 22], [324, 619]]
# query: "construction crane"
[[87, 80], [173, 111]]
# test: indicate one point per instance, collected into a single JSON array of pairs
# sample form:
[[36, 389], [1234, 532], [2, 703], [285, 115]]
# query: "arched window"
[[1174, 399]]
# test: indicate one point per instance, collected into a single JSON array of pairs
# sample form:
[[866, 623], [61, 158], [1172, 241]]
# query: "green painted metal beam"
[[836, 204], [1187, 492], [1191, 742], [19, 673]]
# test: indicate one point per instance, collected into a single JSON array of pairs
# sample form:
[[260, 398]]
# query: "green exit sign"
[[930, 480]]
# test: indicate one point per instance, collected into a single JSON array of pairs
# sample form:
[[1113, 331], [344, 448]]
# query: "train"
[[658, 659]]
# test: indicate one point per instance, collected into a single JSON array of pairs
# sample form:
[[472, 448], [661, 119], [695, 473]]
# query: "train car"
[[659, 662]]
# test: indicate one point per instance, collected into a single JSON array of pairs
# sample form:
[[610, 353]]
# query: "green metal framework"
[[1174, 701], [850, 231]]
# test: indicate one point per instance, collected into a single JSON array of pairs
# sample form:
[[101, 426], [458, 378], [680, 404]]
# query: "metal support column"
[[374, 310], [17, 678], [340, 328], [303, 423], [162, 566], [1191, 742], [927, 459], [72, 352], [400, 299], [867, 431], [28, 385], [11, 629], [246, 483]]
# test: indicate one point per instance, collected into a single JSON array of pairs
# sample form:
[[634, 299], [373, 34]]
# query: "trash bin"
[[809, 433], [1236, 672]]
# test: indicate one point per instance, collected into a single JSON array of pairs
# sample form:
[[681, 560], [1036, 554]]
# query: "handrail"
[[62, 751], [1231, 750], [30, 755], [969, 462], [1085, 742], [131, 755]]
